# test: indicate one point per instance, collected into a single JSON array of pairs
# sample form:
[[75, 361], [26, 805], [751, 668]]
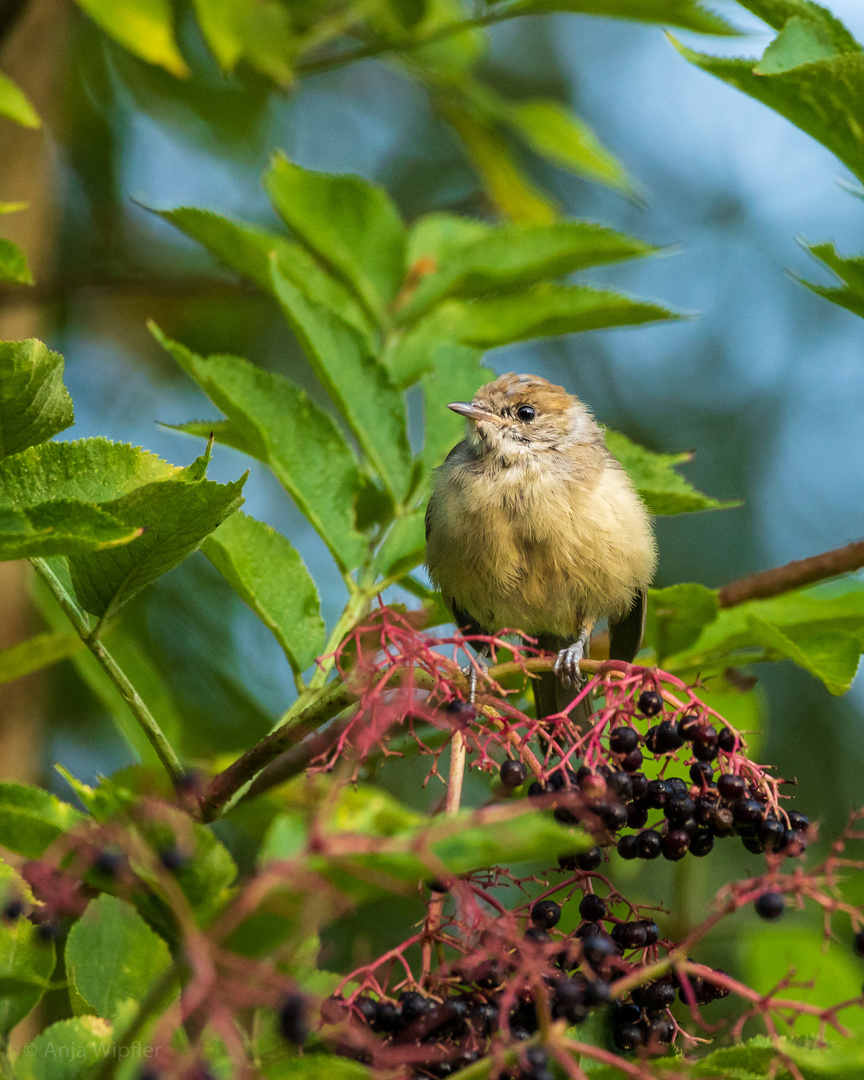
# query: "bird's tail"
[[550, 696]]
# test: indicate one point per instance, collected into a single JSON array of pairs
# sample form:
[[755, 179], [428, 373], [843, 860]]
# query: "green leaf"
[[67, 1050], [825, 972], [86, 470], [15, 105], [248, 249], [676, 616], [812, 73], [401, 846], [34, 403], [550, 311], [849, 269], [208, 872], [361, 389], [505, 181], [553, 132], [112, 955], [31, 819], [820, 628], [514, 256], [315, 1067], [176, 514], [13, 264], [309, 455], [26, 960], [38, 652], [350, 224], [653, 476], [60, 527], [144, 27], [266, 571], [258, 31], [831, 656], [688, 14], [435, 238]]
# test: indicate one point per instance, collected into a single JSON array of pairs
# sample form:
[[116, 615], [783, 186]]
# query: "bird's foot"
[[470, 671], [567, 665]]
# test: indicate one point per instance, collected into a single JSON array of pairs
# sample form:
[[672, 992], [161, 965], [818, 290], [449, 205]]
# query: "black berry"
[[630, 935], [668, 737], [650, 703], [701, 843], [545, 914], [731, 787], [770, 906], [592, 907], [858, 943], [622, 740], [590, 859], [701, 772], [628, 1036], [513, 774], [293, 1023], [727, 740], [628, 846], [675, 844], [652, 931], [650, 844], [632, 762]]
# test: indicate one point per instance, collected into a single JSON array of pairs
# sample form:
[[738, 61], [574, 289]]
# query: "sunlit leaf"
[[38, 652], [26, 959], [309, 455], [514, 256], [67, 1050], [34, 402], [551, 130], [347, 222], [258, 31], [176, 514], [676, 616], [360, 388], [548, 311], [13, 264], [248, 248], [112, 956], [850, 270], [506, 182], [812, 73], [653, 475], [144, 27], [31, 818], [15, 105], [688, 14], [266, 571]]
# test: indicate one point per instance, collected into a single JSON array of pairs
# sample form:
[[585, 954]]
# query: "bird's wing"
[[625, 637]]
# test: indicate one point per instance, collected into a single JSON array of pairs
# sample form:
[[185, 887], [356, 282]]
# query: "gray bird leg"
[[567, 664], [471, 672]]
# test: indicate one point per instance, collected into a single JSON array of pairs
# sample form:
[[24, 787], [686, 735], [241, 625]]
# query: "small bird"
[[534, 526]]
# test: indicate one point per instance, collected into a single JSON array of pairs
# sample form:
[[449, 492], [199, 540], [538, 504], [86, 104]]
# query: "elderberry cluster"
[[616, 794]]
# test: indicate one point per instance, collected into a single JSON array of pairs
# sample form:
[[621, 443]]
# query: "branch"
[[794, 575], [146, 720]]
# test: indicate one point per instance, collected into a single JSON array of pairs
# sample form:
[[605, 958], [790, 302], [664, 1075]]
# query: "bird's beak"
[[473, 412]]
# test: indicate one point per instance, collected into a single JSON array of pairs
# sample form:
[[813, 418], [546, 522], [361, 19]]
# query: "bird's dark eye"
[[525, 413]]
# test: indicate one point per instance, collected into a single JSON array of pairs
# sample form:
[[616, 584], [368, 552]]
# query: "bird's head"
[[520, 415]]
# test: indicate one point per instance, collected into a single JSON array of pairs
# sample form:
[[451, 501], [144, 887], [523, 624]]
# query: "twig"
[[146, 721], [793, 575]]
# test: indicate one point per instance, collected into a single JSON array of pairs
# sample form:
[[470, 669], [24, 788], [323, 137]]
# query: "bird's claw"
[[470, 673], [567, 664]]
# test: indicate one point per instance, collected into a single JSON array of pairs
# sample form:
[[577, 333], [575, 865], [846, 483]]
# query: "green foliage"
[[113, 956], [265, 569], [850, 270], [67, 1050], [15, 105], [31, 819], [26, 960], [34, 403], [176, 516], [812, 73], [37, 652], [664, 490], [144, 27], [13, 264], [688, 14]]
